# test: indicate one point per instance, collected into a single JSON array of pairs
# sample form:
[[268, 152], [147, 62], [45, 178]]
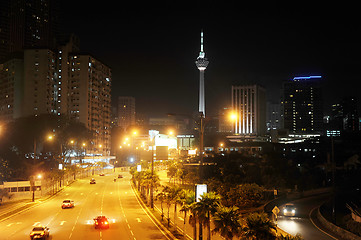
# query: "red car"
[[101, 222]]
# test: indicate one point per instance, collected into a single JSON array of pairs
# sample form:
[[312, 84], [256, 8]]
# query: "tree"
[[289, 237], [187, 201], [204, 208], [245, 195], [258, 226], [4, 193], [161, 197], [227, 222]]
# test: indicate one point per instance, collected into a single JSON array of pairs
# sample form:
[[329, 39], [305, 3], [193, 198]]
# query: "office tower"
[[344, 115], [202, 63], [126, 112], [26, 24], [302, 105], [40, 84], [11, 89], [225, 120], [89, 99], [273, 116], [249, 106]]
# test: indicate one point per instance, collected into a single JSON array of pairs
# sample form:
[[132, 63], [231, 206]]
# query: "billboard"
[[200, 189]]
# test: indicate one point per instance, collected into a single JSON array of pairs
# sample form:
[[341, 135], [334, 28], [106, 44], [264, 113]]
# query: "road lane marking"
[[138, 219], [314, 224], [62, 222], [159, 225], [181, 218], [9, 224], [18, 223], [36, 224]]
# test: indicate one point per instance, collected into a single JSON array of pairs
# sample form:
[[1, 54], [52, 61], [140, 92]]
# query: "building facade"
[[40, 82], [27, 24], [126, 112], [302, 105], [249, 106], [89, 98], [11, 89]]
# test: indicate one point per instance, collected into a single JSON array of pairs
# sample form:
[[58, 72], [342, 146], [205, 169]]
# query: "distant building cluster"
[[41, 73]]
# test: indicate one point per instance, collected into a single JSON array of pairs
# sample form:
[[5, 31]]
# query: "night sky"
[[152, 47]]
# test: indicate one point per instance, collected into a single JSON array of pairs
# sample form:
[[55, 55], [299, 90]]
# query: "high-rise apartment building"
[[302, 105], [11, 89], [40, 82], [26, 24], [249, 106], [89, 99], [126, 111]]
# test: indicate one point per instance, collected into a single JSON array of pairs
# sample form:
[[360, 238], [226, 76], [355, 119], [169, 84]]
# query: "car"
[[92, 181], [102, 174], [120, 176], [39, 232], [67, 204], [289, 210], [101, 222]]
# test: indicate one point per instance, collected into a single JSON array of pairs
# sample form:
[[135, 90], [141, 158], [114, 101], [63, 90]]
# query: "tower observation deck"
[[202, 63]]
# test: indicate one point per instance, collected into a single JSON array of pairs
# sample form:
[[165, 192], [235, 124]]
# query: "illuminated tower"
[[202, 63]]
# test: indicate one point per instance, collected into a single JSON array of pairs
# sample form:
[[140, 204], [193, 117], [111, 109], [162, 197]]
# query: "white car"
[[39, 233], [67, 204], [289, 210]]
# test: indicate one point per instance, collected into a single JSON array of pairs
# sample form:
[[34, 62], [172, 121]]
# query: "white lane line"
[[36, 224], [145, 211], [9, 224], [125, 217], [62, 223], [138, 220]]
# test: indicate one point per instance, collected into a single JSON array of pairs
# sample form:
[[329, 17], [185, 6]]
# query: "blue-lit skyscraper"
[[202, 63], [302, 105]]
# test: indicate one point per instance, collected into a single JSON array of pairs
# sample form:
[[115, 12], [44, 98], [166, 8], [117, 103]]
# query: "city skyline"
[[152, 53]]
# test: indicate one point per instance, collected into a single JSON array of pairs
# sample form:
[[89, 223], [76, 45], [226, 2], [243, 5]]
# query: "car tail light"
[[106, 223]]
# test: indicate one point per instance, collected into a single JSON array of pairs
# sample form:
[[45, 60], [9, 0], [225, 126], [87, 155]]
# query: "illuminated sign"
[[192, 152], [139, 168], [305, 78], [200, 189]]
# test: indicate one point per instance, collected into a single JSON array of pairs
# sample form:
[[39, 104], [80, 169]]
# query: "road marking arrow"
[[138, 219], [62, 222]]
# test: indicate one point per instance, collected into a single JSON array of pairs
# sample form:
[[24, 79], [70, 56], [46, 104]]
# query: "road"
[[301, 223], [115, 200]]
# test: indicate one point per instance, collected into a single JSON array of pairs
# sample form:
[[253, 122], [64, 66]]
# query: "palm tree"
[[289, 237], [258, 226], [227, 222], [176, 194], [193, 219], [204, 208], [187, 200], [161, 197]]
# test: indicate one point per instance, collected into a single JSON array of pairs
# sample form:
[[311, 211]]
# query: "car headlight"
[[285, 210], [293, 211]]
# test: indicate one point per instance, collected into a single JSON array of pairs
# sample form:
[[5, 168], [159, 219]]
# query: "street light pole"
[[151, 183]]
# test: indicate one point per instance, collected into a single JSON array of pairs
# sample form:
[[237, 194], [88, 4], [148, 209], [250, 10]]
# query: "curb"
[[160, 225]]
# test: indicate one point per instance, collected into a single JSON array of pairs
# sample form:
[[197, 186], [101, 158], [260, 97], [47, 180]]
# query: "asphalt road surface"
[[115, 200], [301, 223]]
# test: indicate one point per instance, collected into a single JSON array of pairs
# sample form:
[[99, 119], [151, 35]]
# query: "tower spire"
[[202, 54]]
